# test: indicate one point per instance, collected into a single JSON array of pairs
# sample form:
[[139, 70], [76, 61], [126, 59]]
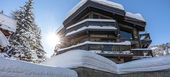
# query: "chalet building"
[[7, 28], [105, 28]]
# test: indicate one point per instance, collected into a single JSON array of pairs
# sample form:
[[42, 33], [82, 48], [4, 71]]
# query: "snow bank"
[[7, 23], [136, 16], [103, 2], [82, 58], [3, 40], [13, 68], [2, 55], [148, 64]]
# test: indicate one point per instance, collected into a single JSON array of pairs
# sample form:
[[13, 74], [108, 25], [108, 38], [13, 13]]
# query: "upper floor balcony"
[[92, 24], [145, 40]]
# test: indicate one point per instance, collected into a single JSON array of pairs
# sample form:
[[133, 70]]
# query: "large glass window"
[[125, 35]]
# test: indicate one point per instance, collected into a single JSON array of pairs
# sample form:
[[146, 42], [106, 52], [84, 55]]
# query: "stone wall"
[[86, 72]]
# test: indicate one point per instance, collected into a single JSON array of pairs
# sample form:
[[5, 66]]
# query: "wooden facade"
[[104, 30]]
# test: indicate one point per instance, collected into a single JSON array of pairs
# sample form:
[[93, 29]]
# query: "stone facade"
[[87, 72]]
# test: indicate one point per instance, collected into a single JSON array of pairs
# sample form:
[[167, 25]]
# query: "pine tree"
[[26, 39]]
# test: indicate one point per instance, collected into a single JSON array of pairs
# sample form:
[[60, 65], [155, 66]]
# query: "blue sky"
[[49, 15]]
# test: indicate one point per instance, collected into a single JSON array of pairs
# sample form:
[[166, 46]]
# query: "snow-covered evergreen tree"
[[26, 39]]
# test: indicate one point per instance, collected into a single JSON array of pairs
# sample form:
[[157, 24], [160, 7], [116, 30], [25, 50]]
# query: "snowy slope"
[[3, 40], [13, 68], [7, 23], [82, 58], [161, 50]]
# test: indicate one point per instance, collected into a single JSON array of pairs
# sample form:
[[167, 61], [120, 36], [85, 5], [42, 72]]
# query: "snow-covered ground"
[[13, 68], [82, 58], [161, 50]]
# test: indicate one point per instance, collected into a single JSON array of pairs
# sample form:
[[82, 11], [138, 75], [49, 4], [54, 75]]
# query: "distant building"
[[7, 28], [105, 28]]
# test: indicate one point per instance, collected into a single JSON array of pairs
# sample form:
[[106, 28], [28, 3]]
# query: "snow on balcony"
[[92, 27], [97, 43], [14, 68], [7, 23], [135, 16], [3, 40], [103, 2], [82, 58], [86, 20]]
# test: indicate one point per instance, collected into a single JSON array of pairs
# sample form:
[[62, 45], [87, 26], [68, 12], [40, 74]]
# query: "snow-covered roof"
[[92, 27], [97, 43], [85, 20], [135, 16], [103, 2], [7, 23], [82, 58], [14, 68], [3, 40]]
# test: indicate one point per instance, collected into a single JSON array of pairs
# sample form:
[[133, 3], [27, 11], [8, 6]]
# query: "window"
[[125, 35]]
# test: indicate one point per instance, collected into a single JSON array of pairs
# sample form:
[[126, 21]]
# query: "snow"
[[82, 58], [145, 65], [13, 68], [2, 55], [136, 16], [99, 43], [3, 40], [7, 23], [92, 27], [103, 2], [85, 20]]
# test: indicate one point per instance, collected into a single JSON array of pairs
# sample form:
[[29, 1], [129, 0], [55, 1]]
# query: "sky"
[[49, 15]]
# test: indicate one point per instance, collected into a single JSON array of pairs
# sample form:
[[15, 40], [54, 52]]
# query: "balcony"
[[100, 46], [92, 24], [145, 40]]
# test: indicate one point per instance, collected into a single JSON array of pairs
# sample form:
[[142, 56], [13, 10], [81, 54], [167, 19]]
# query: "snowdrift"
[[13, 68], [82, 58]]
